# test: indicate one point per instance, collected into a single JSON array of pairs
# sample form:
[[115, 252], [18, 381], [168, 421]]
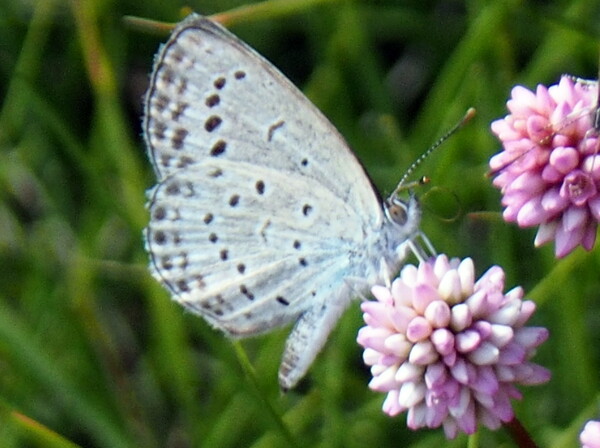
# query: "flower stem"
[[519, 434]]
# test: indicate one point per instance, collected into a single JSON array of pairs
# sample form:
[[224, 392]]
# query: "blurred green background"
[[93, 352]]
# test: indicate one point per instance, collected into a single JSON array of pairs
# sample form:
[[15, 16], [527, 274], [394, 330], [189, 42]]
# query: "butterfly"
[[262, 216]]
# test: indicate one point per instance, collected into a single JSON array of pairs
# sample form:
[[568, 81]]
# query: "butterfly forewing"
[[213, 96]]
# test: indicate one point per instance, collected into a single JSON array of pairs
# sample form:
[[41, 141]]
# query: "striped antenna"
[[411, 169]]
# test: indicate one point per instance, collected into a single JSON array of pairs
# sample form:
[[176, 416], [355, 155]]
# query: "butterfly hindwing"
[[248, 253]]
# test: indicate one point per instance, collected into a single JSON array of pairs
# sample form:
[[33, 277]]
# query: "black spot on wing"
[[260, 187], [159, 237], [244, 290], [218, 148], [178, 138], [224, 254], [212, 123], [159, 213], [282, 300], [213, 100], [219, 83], [234, 200]]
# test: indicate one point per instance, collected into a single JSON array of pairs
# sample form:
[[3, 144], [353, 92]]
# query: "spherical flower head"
[[450, 350], [549, 170], [590, 436]]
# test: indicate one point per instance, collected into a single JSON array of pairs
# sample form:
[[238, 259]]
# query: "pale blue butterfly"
[[262, 215]]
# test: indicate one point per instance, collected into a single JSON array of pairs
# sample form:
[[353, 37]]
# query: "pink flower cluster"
[[450, 350], [549, 170], [590, 436]]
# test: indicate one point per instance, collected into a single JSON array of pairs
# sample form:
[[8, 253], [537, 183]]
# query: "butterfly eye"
[[397, 211]]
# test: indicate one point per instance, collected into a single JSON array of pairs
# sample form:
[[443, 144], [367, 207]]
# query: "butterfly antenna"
[[411, 169]]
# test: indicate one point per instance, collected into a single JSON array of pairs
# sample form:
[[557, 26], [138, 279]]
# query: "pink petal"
[[551, 175], [532, 213], [512, 354], [491, 280], [426, 275], [507, 314], [546, 233], [438, 314], [373, 338], [424, 295], [486, 381], [589, 238], [523, 101], [531, 374], [560, 114], [401, 317], [450, 429], [484, 355], [530, 183], [545, 102], [501, 335], [502, 407], [385, 381], [531, 337], [409, 372], [553, 202], [489, 420], [423, 353], [418, 329], [397, 345], [443, 341], [538, 128], [402, 287], [465, 414], [478, 304], [590, 436], [466, 272], [417, 416], [483, 327], [527, 309], [567, 240], [382, 294], [391, 405], [376, 314], [460, 372], [450, 289], [411, 394], [564, 160], [467, 341], [591, 164], [594, 206], [436, 375], [461, 317]]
